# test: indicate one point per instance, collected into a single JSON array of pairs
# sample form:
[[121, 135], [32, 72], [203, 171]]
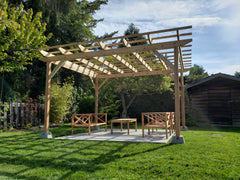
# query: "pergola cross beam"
[[124, 50]]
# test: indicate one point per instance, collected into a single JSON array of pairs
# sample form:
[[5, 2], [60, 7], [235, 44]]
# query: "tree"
[[20, 32], [132, 29], [196, 73], [68, 21], [237, 74], [127, 89]]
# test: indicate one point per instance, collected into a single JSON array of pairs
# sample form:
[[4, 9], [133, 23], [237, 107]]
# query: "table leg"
[[111, 128], [128, 127], [121, 126]]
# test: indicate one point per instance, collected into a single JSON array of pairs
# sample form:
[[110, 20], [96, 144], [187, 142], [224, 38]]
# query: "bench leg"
[[166, 133], [89, 130], [142, 126]]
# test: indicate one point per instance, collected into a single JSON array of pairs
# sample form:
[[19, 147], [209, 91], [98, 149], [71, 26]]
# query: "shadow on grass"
[[28, 153], [215, 128]]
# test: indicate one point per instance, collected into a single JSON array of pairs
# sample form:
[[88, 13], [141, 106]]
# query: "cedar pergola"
[[165, 51]]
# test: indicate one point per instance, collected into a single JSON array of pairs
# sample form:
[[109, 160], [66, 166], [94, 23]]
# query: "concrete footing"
[[179, 140], [45, 135], [185, 128]]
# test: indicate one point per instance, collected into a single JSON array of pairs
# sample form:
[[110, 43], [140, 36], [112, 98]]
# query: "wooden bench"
[[158, 120], [87, 120]]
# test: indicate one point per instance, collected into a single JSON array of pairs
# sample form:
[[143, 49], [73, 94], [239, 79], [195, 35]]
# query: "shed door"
[[219, 106]]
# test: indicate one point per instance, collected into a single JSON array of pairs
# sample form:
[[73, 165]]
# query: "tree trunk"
[[124, 105]]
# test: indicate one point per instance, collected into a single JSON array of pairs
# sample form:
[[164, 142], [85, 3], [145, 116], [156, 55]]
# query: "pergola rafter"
[[125, 42], [119, 58], [100, 59], [163, 52], [68, 65], [84, 61]]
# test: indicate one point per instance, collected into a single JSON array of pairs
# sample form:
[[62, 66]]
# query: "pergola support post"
[[47, 134], [96, 101], [177, 139], [183, 127]]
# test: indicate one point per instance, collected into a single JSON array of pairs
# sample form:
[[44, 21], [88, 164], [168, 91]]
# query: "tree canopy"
[[196, 73], [67, 21], [237, 74], [20, 32]]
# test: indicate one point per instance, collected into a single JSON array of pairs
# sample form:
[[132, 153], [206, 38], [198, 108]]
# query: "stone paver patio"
[[118, 136]]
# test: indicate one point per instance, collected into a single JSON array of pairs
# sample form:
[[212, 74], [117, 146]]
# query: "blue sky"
[[216, 26]]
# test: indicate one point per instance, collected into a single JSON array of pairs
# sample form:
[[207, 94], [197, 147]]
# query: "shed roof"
[[212, 77]]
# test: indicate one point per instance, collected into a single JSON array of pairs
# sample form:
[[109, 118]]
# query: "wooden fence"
[[18, 115]]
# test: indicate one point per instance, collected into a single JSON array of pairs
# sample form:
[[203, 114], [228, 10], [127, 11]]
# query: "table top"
[[124, 120]]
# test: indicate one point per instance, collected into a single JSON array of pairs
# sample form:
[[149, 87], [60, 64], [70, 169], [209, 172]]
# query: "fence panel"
[[18, 115]]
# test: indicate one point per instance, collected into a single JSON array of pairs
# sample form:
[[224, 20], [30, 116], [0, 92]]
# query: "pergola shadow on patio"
[[164, 52]]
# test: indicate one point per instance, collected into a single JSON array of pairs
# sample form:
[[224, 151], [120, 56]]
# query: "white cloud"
[[227, 69], [158, 14], [216, 25]]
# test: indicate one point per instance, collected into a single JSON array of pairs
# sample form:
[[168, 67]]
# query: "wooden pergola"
[[159, 52]]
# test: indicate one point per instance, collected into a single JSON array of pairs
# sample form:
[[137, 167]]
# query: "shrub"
[[60, 101], [190, 116], [28, 126], [86, 104]]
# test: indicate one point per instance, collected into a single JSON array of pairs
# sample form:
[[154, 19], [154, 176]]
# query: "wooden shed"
[[216, 99]]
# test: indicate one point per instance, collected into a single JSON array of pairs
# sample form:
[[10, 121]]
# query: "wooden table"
[[124, 120]]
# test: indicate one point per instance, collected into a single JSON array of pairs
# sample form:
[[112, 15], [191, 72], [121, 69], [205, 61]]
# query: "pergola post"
[[46, 134], [177, 139], [183, 127], [96, 101]]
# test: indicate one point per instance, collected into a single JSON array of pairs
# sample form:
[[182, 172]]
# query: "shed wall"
[[217, 102]]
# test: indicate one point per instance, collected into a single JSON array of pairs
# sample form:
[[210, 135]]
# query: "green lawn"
[[209, 153]]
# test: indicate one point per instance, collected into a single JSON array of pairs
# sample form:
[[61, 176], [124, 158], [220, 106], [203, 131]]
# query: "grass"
[[209, 153]]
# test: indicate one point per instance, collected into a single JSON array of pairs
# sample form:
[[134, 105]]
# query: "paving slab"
[[158, 136]]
